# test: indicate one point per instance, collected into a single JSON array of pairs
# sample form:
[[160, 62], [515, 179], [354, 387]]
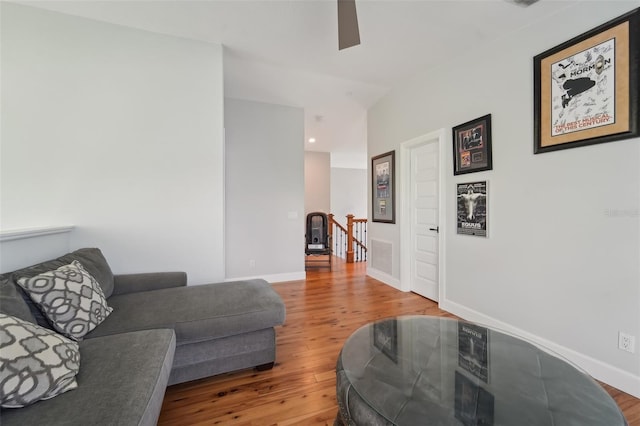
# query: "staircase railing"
[[349, 242]]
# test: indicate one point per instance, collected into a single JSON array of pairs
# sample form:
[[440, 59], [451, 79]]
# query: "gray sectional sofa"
[[160, 332]]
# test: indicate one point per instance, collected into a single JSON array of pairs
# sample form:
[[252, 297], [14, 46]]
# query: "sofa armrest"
[[133, 283]]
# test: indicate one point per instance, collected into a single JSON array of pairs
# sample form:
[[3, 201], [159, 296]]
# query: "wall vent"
[[382, 256]]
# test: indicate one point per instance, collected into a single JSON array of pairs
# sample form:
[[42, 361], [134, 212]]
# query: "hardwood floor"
[[300, 390]]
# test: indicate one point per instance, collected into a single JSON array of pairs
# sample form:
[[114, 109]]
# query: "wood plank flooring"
[[322, 311]]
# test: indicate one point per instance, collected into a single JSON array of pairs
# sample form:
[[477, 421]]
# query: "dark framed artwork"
[[385, 338], [473, 349], [472, 210], [586, 89], [472, 146], [473, 404], [383, 187]]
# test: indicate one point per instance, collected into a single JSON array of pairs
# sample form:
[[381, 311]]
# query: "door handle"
[[437, 229]]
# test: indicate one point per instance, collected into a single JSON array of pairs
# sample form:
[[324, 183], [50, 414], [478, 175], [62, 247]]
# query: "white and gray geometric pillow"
[[36, 363], [70, 298]]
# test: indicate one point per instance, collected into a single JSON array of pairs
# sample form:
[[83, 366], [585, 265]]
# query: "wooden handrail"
[[349, 237], [332, 220], [360, 244]]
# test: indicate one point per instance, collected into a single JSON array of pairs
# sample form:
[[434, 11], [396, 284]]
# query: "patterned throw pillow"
[[36, 363], [70, 298]]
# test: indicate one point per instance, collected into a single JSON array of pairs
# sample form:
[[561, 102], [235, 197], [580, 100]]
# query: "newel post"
[[349, 238], [330, 226]]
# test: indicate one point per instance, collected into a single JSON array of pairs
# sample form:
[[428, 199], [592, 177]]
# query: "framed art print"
[[473, 349], [586, 89], [472, 216], [385, 338], [472, 146], [383, 191], [473, 404]]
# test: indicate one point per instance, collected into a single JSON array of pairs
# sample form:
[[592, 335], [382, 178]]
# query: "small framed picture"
[[383, 188], [586, 89], [473, 404], [385, 338], [472, 146]]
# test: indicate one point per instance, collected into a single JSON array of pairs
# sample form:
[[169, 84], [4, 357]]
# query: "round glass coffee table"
[[422, 370]]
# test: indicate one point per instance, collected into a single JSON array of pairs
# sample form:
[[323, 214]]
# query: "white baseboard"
[[384, 277], [606, 373], [274, 278]]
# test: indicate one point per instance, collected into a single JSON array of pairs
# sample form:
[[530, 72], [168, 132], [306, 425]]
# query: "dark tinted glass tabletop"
[[421, 370]]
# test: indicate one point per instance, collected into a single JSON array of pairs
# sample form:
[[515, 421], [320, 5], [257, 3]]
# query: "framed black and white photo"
[[472, 146], [473, 349], [383, 188], [385, 338], [472, 208], [586, 90]]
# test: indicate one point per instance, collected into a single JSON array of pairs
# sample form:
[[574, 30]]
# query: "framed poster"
[[385, 338], [383, 183], [473, 350], [472, 146], [586, 89], [473, 404], [472, 208]]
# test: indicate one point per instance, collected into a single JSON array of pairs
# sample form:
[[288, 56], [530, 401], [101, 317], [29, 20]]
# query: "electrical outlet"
[[626, 342], [252, 263]]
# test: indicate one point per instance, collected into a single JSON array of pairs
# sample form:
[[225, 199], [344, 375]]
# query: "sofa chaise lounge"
[[160, 333]]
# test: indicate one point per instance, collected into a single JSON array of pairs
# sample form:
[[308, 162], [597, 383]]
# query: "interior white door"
[[424, 213]]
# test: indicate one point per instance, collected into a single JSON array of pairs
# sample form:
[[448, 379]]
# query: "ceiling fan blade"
[[348, 32]]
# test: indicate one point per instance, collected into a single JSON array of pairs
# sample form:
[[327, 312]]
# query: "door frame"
[[406, 147]]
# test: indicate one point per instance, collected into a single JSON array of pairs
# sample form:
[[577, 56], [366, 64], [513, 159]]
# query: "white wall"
[[23, 247], [350, 160], [265, 191], [348, 193], [561, 262], [317, 182], [118, 132]]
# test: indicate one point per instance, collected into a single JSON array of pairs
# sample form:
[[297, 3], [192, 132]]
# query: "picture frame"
[[472, 146], [385, 338], [586, 89], [473, 404], [383, 188], [473, 349], [473, 208]]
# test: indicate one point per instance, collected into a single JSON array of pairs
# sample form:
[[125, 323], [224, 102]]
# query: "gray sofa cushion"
[[197, 313], [90, 258], [216, 356], [122, 381], [12, 303], [133, 283]]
